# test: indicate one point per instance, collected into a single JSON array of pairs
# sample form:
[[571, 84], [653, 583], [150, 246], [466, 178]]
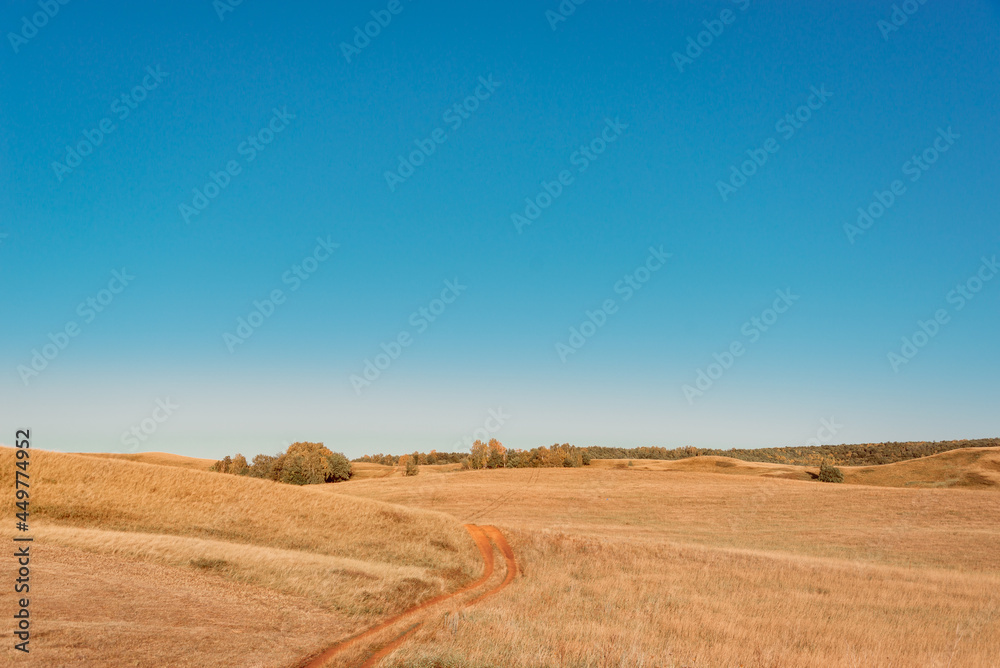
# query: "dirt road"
[[482, 537]]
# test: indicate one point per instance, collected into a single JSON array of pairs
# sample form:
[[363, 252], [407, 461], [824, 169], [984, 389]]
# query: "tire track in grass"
[[501, 542], [508, 555], [373, 660], [479, 535]]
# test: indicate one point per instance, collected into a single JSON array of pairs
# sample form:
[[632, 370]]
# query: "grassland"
[[973, 468], [653, 565], [158, 458], [691, 563], [354, 560]]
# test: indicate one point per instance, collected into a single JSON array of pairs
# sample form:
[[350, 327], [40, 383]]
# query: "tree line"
[[310, 463], [493, 454], [861, 454], [430, 458]]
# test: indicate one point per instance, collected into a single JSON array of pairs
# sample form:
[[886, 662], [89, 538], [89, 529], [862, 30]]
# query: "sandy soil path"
[[482, 537]]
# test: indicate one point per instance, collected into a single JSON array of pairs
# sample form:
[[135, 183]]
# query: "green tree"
[[496, 454], [478, 458], [339, 468], [830, 473], [261, 466]]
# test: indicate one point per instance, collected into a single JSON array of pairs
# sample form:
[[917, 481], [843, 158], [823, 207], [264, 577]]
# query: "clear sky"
[[675, 170]]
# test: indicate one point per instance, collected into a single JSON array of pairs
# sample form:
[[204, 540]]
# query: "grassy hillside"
[[684, 568], [973, 468], [159, 458], [359, 559]]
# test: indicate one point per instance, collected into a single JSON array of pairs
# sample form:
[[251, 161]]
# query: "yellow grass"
[[695, 563], [632, 567], [349, 586], [615, 602], [100, 610], [367, 471], [356, 558], [947, 528], [159, 458], [976, 468]]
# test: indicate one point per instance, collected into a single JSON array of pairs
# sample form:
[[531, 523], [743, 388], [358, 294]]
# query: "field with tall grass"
[[351, 560], [691, 564], [697, 563]]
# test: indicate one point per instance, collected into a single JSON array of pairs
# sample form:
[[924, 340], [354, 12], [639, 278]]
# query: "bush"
[[830, 473], [411, 467]]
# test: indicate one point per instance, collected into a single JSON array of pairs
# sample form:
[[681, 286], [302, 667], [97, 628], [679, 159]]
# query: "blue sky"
[[641, 138]]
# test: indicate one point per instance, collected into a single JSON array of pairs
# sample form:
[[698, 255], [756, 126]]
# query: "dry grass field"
[[353, 560], [160, 458], [969, 467], [693, 563], [688, 564]]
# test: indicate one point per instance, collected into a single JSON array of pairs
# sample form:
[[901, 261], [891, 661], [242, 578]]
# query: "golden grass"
[[176, 515], [351, 586], [946, 528], [367, 471], [616, 602], [158, 458], [101, 610], [632, 567], [975, 468], [695, 563]]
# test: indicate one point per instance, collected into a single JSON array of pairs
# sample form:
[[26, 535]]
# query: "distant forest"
[[861, 454], [494, 455]]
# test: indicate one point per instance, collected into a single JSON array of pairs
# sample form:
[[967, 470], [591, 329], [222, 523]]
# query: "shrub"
[[830, 473], [411, 467]]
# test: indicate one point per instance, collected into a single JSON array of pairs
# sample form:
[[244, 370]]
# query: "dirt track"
[[482, 536]]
